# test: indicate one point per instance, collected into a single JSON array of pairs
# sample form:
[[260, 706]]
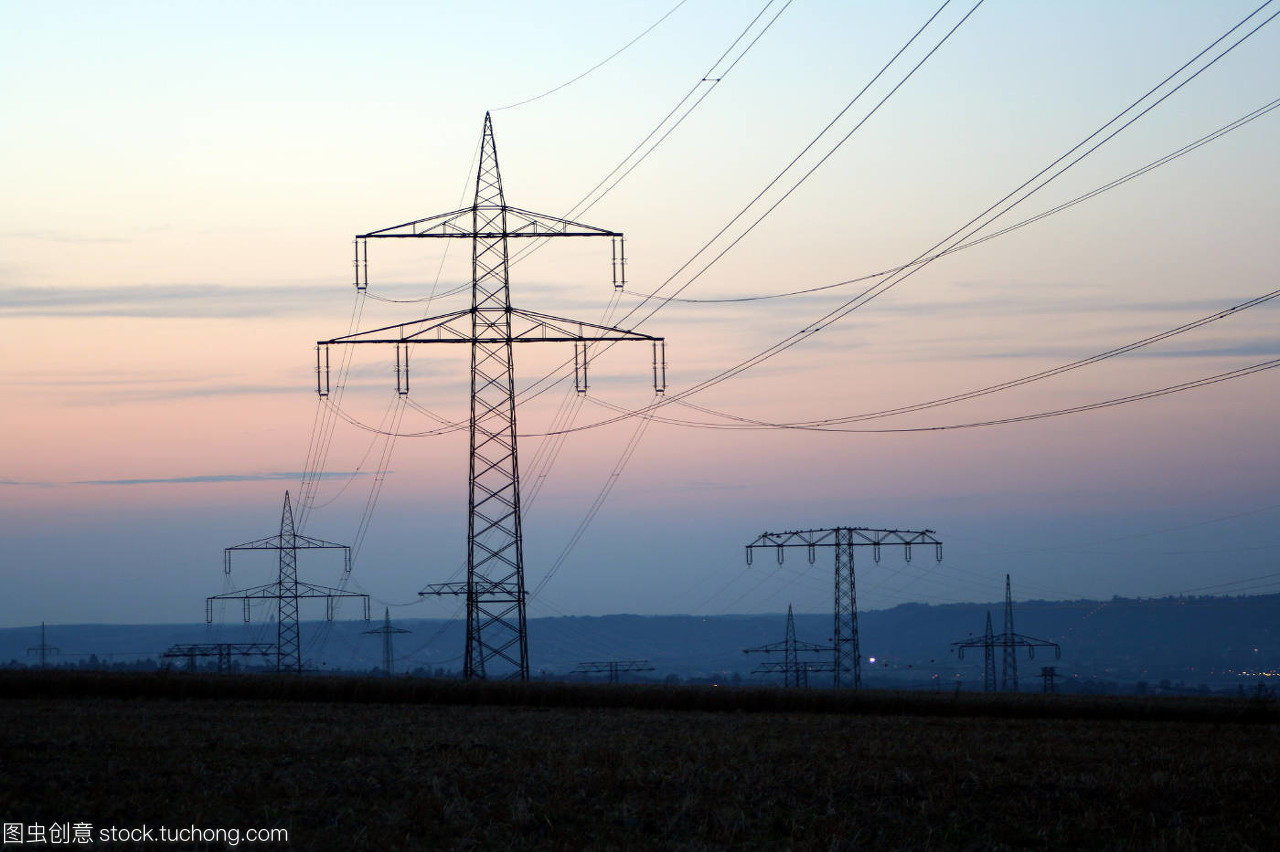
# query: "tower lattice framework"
[[795, 671], [287, 590], [496, 634], [1009, 641], [844, 540]]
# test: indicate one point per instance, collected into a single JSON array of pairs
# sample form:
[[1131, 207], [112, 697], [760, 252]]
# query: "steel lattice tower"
[[844, 540], [1010, 642], [497, 638], [612, 667], [794, 672], [287, 590], [1009, 669], [44, 649], [386, 631]]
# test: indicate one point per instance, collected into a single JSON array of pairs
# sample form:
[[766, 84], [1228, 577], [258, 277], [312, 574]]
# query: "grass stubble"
[[356, 774]]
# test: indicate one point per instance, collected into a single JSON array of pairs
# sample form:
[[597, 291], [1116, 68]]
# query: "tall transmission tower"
[[497, 640], [844, 540], [386, 631], [44, 649], [795, 672], [287, 590], [1009, 642]]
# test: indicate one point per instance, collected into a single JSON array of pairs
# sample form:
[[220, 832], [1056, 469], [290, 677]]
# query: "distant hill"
[[1106, 645]]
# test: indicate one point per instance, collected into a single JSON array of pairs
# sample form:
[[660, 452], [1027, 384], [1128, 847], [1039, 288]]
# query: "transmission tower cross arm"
[[273, 591], [458, 588], [514, 222], [845, 537], [275, 542], [526, 327]]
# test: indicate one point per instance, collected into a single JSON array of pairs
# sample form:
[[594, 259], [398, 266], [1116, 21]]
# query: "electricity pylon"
[[988, 645], [223, 651], [844, 540], [794, 672], [612, 667], [44, 649], [1010, 641], [386, 631], [287, 590], [495, 589]]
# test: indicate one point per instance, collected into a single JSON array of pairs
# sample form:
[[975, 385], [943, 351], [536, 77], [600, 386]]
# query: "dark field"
[[346, 764]]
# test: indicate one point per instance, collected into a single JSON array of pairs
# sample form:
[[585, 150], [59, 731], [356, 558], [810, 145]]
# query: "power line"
[[1136, 173], [598, 65], [663, 301], [708, 82], [985, 218], [970, 229], [1093, 406]]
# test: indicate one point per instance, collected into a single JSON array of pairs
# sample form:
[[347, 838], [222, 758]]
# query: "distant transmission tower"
[[1010, 642], [287, 590], [795, 672], [223, 651], [386, 631], [44, 649], [497, 640], [612, 667], [844, 540]]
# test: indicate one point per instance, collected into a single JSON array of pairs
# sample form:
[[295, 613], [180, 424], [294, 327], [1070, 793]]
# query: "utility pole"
[[287, 590], [1009, 641], [386, 631], [795, 673], [44, 649], [1049, 679], [612, 668], [844, 540], [497, 639]]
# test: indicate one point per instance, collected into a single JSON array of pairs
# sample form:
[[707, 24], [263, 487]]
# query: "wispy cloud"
[[221, 477], [168, 301], [1057, 301], [51, 236]]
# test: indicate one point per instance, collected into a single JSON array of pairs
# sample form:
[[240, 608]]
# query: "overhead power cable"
[[663, 300], [710, 79], [1076, 409], [598, 65], [1093, 193], [974, 225], [980, 222], [1001, 386]]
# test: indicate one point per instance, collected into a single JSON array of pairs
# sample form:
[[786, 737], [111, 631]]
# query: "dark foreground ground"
[[363, 765]]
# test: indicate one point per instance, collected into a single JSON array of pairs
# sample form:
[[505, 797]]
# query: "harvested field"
[[420, 774]]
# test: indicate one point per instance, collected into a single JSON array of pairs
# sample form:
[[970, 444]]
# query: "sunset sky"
[[182, 183]]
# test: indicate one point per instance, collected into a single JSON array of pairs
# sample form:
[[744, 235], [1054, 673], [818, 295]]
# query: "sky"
[[183, 182]]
